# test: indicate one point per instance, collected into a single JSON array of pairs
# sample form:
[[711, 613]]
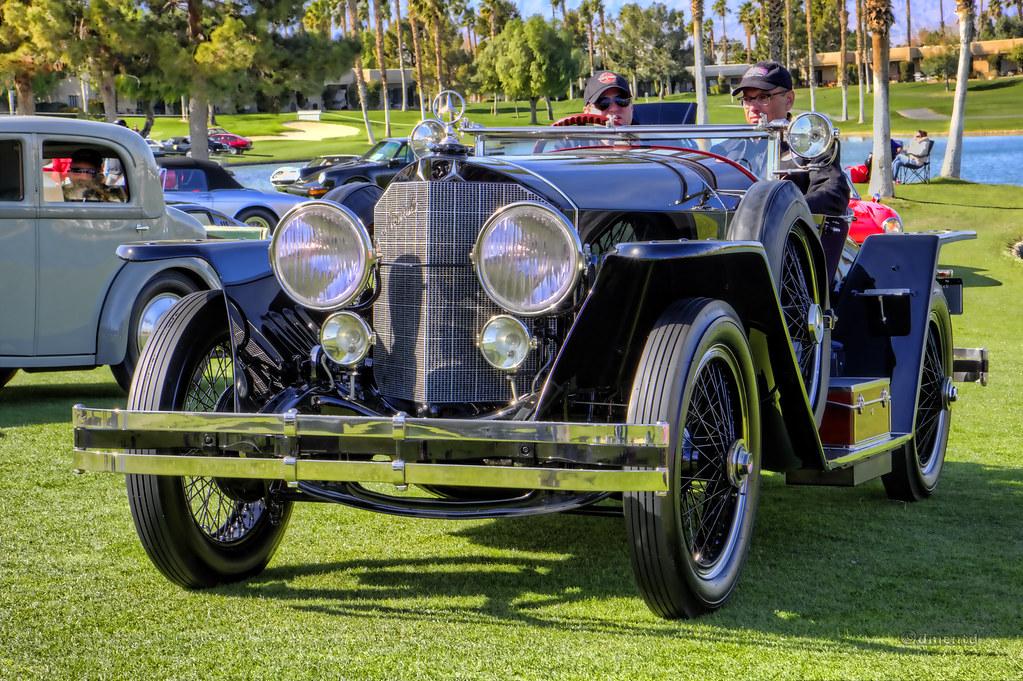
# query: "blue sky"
[[925, 13]]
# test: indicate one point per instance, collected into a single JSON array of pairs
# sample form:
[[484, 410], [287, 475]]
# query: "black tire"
[[151, 304], [775, 214], [258, 217], [360, 197], [917, 466], [198, 532], [696, 373], [6, 375]]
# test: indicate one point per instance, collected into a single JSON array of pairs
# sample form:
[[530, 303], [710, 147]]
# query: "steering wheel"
[[574, 119]]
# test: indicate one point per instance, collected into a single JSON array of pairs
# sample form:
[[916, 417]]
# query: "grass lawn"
[[991, 105], [840, 584]]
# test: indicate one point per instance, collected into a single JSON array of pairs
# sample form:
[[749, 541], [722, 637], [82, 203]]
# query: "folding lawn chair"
[[919, 168]]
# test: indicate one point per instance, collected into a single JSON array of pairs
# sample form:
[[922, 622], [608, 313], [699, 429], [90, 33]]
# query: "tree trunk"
[[532, 111], [950, 166], [150, 118], [700, 77], [212, 121], [809, 56], [26, 105], [184, 108], [438, 53], [881, 172], [385, 93], [843, 81], [773, 16], [589, 44], [401, 55], [860, 68], [360, 80], [868, 76], [909, 28], [788, 34], [550, 109], [420, 83], [83, 81], [603, 36], [109, 94], [198, 104], [10, 101]]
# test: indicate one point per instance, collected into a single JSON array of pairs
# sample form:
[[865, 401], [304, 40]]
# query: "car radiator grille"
[[431, 305]]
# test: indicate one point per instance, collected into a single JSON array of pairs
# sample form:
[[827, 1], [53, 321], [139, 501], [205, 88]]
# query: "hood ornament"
[[441, 133]]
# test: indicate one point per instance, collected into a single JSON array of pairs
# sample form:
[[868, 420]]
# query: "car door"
[[77, 243], [18, 239]]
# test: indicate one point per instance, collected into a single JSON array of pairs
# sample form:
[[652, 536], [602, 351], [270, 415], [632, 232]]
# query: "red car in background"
[[870, 217], [236, 143]]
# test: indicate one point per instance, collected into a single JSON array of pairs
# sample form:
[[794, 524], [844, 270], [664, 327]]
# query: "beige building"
[[991, 58]]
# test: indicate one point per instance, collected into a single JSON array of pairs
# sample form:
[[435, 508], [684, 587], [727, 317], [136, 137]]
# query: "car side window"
[[83, 173], [12, 184], [183, 180]]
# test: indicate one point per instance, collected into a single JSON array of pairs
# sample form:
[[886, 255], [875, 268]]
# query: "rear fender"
[[634, 286]]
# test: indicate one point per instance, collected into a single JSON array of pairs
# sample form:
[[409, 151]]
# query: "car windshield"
[[383, 151], [750, 152]]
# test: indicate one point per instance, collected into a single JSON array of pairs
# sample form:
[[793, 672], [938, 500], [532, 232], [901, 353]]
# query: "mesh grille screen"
[[431, 305]]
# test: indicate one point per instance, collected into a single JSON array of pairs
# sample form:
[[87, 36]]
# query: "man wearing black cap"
[[766, 90], [608, 93]]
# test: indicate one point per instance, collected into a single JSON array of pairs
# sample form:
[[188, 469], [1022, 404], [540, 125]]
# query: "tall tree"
[[867, 76], [748, 19], [34, 41], [586, 11], [385, 93], [954, 151], [438, 19], [417, 52], [843, 79], [788, 34], [909, 27], [401, 54], [721, 9], [772, 21], [602, 15], [355, 22], [698, 62], [809, 56], [879, 19]]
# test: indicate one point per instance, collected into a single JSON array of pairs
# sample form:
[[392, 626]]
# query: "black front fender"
[[637, 282]]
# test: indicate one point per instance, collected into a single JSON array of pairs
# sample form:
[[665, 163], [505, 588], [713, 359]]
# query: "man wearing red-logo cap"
[[608, 93]]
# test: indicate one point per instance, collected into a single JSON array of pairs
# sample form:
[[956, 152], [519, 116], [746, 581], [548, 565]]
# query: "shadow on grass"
[[840, 565], [22, 405], [972, 276]]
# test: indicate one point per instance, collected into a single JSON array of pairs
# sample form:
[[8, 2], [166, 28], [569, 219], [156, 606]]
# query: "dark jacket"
[[826, 189]]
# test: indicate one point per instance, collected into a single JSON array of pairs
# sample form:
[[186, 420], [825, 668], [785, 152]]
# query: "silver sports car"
[[208, 184]]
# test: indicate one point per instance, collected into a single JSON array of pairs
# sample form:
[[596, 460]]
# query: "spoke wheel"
[[199, 531], [917, 466], [696, 373], [801, 307]]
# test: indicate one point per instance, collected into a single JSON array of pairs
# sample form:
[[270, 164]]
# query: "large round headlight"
[[322, 255], [811, 135], [528, 258]]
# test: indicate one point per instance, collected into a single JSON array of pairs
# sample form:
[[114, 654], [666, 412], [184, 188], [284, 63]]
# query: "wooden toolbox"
[[858, 410]]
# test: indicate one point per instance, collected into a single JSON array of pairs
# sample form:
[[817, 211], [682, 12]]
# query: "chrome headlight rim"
[[529, 343], [577, 265], [367, 334], [894, 220], [830, 133], [367, 254]]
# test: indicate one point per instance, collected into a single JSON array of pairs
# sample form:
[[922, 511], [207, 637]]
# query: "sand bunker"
[[310, 131]]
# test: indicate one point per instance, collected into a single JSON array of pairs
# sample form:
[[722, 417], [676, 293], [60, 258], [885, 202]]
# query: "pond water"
[[994, 160]]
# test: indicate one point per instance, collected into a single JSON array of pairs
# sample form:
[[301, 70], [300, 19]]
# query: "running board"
[[850, 476]]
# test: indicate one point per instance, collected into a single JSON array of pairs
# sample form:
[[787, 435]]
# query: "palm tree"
[[879, 19], [708, 27], [867, 76], [954, 151], [586, 12], [385, 93], [413, 22], [401, 54], [721, 9], [599, 6], [701, 79], [788, 34], [843, 81], [909, 26], [772, 18], [809, 55], [355, 22], [438, 15], [748, 19]]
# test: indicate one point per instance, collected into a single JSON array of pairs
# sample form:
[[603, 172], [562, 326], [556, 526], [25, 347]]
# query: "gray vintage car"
[[68, 300]]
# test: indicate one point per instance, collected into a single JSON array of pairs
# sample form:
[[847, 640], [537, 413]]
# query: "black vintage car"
[[609, 326], [378, 165]]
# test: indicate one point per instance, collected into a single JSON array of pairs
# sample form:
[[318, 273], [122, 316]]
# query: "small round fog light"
[[505, 342], [346, 338]]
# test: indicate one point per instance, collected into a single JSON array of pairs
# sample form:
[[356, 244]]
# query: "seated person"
[[85, 179], [766, 89], [608, 93], [913, 156]]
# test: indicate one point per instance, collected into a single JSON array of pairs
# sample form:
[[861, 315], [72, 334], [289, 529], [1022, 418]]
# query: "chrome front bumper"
[[605, 457]]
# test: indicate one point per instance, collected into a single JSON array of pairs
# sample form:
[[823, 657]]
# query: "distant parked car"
[[68, 300], [218, 225], [208, 184], [380, 164], [183, 145], [236, 143], [289, 174]]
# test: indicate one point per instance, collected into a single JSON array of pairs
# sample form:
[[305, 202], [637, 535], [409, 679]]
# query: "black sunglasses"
[[605, 102], [84, 171]]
